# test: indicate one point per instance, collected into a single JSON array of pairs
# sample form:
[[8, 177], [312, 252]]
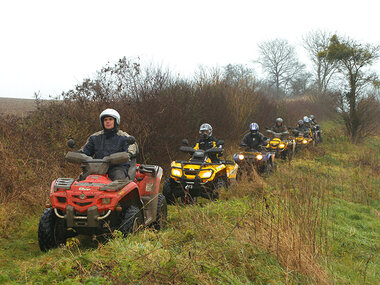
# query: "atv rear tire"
[[168, 191], [133, 219], [162, 212], [51, 230]]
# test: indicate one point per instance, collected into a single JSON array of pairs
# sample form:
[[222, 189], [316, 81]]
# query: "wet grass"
[[314, 221]]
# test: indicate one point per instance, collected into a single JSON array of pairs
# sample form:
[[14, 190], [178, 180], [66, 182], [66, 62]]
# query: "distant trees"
[[352, 60], [279, 60], [314, 43]]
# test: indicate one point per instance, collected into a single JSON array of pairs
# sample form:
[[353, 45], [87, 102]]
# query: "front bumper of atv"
[[89, 220]]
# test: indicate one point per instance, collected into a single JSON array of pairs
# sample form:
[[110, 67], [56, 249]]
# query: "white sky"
[[50, 45]]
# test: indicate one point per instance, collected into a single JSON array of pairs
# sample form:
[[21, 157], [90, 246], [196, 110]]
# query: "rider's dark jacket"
[[301, 129], [253, 141], [104, 143], [206, 144], [279, 129]]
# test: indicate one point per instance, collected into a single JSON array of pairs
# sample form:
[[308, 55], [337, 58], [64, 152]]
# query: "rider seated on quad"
[[279, 127], [254, 139], [312, 120], [207, 141], [300, 129], [111, 140]]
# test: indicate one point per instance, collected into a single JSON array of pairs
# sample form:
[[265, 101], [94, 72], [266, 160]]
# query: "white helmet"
[[110, 113], [306, 119], [205, 130]]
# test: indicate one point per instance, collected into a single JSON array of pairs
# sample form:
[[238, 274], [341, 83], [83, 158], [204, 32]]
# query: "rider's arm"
[[131, 149], [89, 147], [244, 141]]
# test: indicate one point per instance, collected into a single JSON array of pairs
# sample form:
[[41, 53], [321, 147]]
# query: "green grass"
[[354, 243], [319, 223]]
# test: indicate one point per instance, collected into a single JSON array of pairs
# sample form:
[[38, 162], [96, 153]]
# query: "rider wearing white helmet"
[[110, 140]]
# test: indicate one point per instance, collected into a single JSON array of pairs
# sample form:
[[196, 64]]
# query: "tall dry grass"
[[158, 109]]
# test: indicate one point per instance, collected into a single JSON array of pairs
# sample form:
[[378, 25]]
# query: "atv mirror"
[[71, 143], [185, 142], [220, 142], [131, 140]]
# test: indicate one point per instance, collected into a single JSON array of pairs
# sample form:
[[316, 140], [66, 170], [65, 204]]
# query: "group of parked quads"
[[97, 205]]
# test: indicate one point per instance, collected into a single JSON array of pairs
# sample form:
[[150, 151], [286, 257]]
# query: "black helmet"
[[279, 122], [205, 131]]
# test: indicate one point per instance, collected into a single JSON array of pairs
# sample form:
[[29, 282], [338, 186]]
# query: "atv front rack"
[[63, 183]]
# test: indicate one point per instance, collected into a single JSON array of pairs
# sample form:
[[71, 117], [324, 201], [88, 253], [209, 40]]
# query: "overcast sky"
[[50, 46]]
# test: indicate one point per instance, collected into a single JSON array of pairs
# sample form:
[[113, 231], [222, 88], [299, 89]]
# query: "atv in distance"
[[317, 133], [303, 139], [98, 205], [281, 146], [262, 161], [198, 177]]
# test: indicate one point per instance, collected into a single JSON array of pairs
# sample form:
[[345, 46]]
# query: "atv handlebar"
[[115, 158], [277, 134]]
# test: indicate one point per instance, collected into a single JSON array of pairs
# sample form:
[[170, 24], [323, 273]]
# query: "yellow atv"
[[198, 177], [303, 139], [262, 161], [283, 148]]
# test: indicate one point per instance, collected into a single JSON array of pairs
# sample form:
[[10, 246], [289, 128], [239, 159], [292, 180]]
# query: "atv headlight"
[[281, 145], [304, 141], [205, 174], [176, 172], [241, 156], [106, 201], [259, 157]]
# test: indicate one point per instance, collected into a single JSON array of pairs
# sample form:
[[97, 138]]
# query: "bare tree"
[[314, 43], [279, 60], [353, 60], [239, 74]]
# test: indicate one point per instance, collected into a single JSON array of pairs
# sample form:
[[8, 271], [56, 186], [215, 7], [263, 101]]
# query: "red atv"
[[98, 205]]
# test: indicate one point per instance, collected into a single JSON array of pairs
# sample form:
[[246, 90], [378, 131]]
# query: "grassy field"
[[19, 107], [314, 221]]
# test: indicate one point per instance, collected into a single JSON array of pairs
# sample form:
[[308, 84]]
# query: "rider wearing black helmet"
[[207, 141], [108, 141]]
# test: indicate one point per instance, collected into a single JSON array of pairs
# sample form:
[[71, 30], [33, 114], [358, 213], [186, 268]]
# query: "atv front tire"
[[51, 230], [132, 220], [162, 212], [168, 191]]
